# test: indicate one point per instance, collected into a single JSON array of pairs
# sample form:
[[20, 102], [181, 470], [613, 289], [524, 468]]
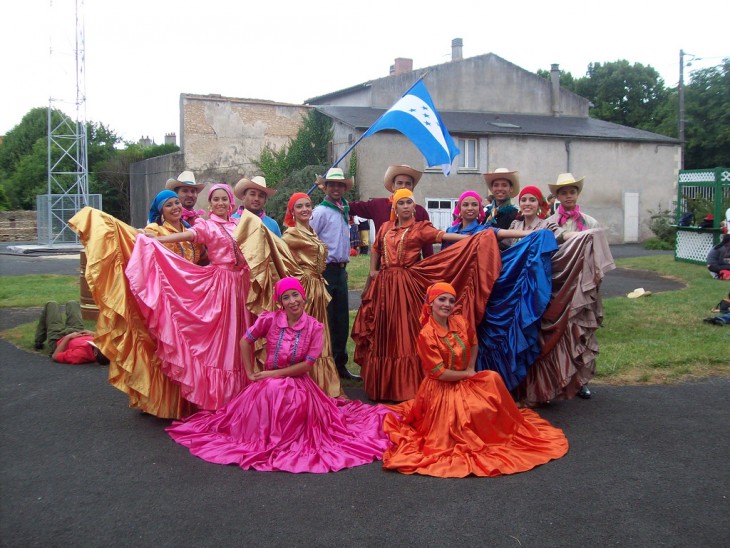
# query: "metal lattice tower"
[[68, 171]]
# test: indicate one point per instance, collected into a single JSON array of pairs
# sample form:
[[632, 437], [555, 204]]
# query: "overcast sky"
[[140, 55]]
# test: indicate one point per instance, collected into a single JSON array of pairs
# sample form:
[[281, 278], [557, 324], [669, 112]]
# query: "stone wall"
[[146, 179], [18, 226]]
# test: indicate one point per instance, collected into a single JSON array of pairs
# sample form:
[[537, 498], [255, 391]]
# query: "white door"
[[440, 211], [631, 217]]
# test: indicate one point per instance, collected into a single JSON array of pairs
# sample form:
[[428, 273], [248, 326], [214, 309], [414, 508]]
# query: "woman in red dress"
[[386, 326]]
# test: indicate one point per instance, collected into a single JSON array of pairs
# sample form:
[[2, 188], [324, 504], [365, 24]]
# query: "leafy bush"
[[660, 223]]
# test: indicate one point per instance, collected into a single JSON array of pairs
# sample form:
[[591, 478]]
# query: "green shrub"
[[660, 223]]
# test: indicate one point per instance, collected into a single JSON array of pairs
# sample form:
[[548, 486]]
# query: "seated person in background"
[[69, 342], [723, 307], [718, 259]]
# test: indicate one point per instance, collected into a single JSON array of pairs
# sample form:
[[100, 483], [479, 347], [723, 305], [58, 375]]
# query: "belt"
[[337, 265]]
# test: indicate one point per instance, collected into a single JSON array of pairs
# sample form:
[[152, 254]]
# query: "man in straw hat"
[[568, 214], [331, 221], [187, 190], [378, 209], [569, 217], [503, 185], [254, 193]]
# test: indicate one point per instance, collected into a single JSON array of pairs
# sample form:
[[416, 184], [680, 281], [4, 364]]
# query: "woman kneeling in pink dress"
[[283, 421]]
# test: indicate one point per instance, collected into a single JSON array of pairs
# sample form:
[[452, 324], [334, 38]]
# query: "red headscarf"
[[543, 208], [289, 217], [431, 293]]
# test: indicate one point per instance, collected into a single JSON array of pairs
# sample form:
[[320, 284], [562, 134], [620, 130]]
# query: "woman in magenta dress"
[[196, 314], [283, 421]]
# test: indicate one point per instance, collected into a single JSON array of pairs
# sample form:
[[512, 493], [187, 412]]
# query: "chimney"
[[402, 65], [456, 45], [555, 88]]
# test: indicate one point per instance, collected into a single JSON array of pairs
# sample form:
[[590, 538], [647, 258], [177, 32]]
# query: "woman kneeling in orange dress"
[[462, 422]]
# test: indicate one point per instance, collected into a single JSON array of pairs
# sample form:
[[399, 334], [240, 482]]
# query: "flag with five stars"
[[414, 116]]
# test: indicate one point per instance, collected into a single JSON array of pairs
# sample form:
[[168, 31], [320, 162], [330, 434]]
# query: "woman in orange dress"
[[386, 326], [462, 422]]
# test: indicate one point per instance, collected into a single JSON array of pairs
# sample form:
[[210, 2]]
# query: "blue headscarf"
[[155, 215]]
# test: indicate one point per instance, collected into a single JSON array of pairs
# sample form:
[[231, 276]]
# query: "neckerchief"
[[192, 213], [344, 208], [495, 212], [563, 217]]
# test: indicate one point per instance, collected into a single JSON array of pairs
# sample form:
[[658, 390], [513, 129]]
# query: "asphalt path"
[[647, 466]]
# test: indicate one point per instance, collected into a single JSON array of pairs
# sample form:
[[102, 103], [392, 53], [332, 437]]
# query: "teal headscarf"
[[155, 215]]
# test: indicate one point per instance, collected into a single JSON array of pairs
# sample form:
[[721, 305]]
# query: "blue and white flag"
[[415, 117]]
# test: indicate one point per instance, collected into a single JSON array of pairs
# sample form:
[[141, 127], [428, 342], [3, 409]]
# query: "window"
[[468, 159]]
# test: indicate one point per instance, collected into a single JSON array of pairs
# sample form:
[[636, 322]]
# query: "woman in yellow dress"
[[121, 334], [310, 254], [165, 218]]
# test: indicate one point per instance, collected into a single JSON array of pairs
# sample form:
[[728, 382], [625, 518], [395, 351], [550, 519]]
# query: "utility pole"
[[680, 94]]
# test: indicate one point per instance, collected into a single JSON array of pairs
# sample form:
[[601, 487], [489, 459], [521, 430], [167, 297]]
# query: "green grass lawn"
[[37, 290], [660, 338]]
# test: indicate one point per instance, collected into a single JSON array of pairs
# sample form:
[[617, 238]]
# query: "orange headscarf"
[[431, 293], [399, 195], [289, 217]]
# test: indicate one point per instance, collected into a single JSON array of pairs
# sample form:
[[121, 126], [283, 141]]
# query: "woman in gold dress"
[[120, 330], [310, 254]]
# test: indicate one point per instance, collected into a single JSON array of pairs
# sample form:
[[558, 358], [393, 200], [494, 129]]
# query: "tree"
[[707, 122], [24, 155], [625, 94], [309, 147], [567, 80]]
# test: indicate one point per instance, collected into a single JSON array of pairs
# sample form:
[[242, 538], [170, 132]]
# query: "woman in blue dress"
[[509, 333]]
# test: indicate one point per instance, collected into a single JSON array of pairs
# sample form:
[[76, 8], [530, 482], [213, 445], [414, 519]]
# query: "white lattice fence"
[[693, 246]]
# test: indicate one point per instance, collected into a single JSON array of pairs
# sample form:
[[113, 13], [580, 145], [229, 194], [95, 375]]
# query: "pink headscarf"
[[227, 188], [284, 285], [457, 209]]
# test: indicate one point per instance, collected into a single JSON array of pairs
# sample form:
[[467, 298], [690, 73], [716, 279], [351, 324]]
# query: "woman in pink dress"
[[196, 314], [283, 421]]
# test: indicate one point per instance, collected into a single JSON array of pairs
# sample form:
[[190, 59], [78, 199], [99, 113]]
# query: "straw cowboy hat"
[[186, 178], [504, 173], [638, 292], [566, 179], [393, 171], [335, 174], [257, 183]]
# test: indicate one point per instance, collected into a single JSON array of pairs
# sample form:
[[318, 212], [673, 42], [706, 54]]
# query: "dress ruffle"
[[120, 330], [454, 429], [568, 329], [286, 424], [509, 333], [197, 315]]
